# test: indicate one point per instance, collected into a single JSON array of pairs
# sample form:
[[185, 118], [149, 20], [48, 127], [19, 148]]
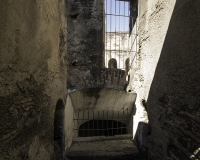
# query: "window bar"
[[100, 119], [136, 37], [127, 118], [117, 15], [117, 124], [128, 13], [110, 28], [103, 120], [115, 32], [83, 120], [93, 124], [106, 36], [124, 37], [112, 123], [98, 123], [122, 120], [88, 123], [119, 35], [107, 124], [77, 120], [78, 113]]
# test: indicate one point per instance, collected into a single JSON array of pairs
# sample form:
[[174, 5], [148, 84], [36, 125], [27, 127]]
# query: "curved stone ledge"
[[82, 77]]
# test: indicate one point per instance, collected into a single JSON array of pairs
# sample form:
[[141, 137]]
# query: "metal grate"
[[118, 39], [101, 122]]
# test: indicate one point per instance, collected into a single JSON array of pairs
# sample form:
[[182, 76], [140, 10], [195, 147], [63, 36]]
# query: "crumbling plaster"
[[32, 76]]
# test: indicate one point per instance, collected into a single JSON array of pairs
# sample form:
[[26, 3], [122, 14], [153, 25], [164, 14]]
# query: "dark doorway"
[[102, 128]]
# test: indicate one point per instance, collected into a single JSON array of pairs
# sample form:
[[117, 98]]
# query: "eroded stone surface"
[[102, 147], [32, 76]]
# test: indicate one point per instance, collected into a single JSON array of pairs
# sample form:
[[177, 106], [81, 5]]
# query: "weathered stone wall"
[[32, 76], [85, 33], [85, 43], [167, 76], [95, 78]]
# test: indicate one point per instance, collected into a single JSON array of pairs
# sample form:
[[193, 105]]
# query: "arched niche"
[[112, 63]]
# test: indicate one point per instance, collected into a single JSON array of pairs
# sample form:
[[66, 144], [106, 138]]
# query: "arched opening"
[[127, 65], [59, 130], [112, 63], [102, 128]]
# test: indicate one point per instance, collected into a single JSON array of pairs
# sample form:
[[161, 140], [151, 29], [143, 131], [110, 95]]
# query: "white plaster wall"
[[69, 123], [109, 102], [152, 26]]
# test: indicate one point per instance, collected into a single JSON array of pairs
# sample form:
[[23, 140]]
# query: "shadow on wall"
[[141, 139], [59, 130], [133, 14], [173, 102], [127, 64]]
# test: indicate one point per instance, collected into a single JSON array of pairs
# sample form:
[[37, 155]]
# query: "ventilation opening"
[[102, 128]]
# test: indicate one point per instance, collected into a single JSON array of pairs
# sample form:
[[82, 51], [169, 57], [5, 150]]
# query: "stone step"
[[103, 148]]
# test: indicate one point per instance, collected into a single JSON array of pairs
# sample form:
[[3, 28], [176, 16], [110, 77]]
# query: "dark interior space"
[[58, 130], [102, 128]]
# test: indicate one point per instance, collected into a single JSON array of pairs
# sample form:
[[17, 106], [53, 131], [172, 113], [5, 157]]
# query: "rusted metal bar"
[[105, 124], [98, 129], [88, 123], [93, 124], [98, 123], [83, 118], [118, 15], [116, 119]]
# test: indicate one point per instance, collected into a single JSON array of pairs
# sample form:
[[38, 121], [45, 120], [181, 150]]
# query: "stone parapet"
[[82, 77]]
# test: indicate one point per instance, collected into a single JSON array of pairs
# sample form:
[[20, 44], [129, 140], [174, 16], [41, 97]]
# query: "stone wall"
[[85, 40], [166, 78], [96, 78], [32, 76], [85, 33]]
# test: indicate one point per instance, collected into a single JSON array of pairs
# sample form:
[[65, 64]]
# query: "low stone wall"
[[82, 77]]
